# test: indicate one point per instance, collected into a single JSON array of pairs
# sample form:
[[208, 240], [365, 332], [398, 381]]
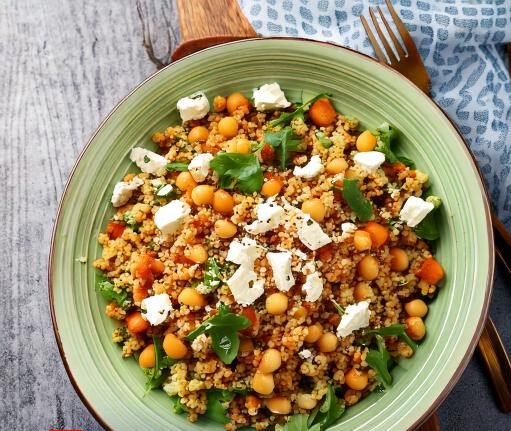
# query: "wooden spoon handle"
[[205, 23]]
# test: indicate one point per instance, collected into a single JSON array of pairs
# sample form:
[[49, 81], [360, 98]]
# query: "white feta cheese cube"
[[165, 190], [199, 166], [310, 170], [269, 96], [244, 252], [414, 210], [311, 234], [281, 267], [148, 161], [370, 161], [193, 107], [269, 217], [305, 354], [313, 287], [124, 190], [155, 309], [348, 229], [356, 317], [170, 217], [244, 285]]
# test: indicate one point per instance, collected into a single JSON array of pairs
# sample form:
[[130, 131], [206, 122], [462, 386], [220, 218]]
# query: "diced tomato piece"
[[267, 152], [114, 229], [430, 271], [250, 314], [326, 253]]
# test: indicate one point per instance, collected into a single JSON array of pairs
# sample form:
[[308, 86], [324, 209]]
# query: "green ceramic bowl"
[[111, 387]]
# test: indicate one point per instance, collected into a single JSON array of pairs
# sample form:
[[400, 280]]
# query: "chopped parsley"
[[240, 170], [284, 142], [146, 159], [326, 142]]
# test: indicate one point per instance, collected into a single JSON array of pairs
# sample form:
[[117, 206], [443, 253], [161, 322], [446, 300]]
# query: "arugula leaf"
[[285, 142], [212, 275], [106, 288], [397, 330], [427, 228], [223, 329], [216, 408], [298, 112], [242, 170], [177, 166], [380, 360], [328, 413], [356, 200], [296, 423], [326, 142], [178, 407], [385, 135], [156, 375]]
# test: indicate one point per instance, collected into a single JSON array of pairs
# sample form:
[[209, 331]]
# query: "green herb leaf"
[[380, 360], [212, 275], [356, 200], [285, 142], [223, 329], [157, 375], [177, 166], [328, 413], [299, 112], [106, 289], [427, 228], [385, 135], [397, 330], [218, 402], [296, 423], [338, 307], [326, 142], [178, 407], [130, 221], [242, 170], [146, 159]]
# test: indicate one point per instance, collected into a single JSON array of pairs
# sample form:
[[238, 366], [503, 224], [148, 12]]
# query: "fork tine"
[[397, 44], [377, 50], [411, 48], [388, 49]]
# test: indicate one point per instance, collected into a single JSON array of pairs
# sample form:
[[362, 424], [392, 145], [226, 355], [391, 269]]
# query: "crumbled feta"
[[300, 254], [270, 96], [310, 170], [313, 287], [394, 190], [348, 229], [370, 161], [269, 216], [356, 317], [414, 210], [123, 191], [244, 252], [281, 267], [244, 285], [199, 166], [311, 234], [165, 190], [170, 217], [148, 161], [193, 107], [156, 309], [305, 354]]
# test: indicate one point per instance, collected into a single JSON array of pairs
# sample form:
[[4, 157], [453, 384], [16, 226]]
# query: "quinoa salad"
[[270, 262]]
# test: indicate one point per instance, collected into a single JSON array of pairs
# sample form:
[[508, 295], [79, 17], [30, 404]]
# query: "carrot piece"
[[322, 113], [136, 323], [379, 234], [143, 268], [114, 229], [157, 267], [430, 271], [139, 292], [326, 253]]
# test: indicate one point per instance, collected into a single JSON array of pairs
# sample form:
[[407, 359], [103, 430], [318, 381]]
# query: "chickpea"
[[263, 383], [314, 333], [147, 358], [219, 103], [270, 362], [237, 100], [368, 268], [241, 146], [362, 291], [415, 308], [246, 345], [223, 202], [197, 253], [225, 229], [174, 347], [305, 401], [228, 127], [300, 313], [415, 328], [315, 208], [203, 194], [361, 240], [327, 342], [336, 166], [136, 323], [189, 296], [276, 303], [271, 187], [366, 141], [279, 405], [351, 174], [198, 134], [356, 379], [185, 181], [399, 260]]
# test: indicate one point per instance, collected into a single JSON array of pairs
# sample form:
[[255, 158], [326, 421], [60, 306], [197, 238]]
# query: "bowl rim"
[[486, 207]]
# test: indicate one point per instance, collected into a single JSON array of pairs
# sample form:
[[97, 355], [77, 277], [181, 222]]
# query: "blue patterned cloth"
[[462, 45]]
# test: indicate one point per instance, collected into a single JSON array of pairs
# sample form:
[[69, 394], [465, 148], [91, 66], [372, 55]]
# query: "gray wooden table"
[[63, 66]]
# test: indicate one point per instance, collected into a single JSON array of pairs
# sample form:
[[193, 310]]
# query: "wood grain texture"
[[63, 66]]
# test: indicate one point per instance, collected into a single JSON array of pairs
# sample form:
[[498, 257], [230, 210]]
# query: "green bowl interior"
[[361, 88]]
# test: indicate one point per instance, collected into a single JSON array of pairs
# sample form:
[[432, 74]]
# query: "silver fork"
[[409, 63]]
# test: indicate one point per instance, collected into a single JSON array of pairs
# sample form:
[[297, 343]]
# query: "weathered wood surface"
[[63, 66]]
